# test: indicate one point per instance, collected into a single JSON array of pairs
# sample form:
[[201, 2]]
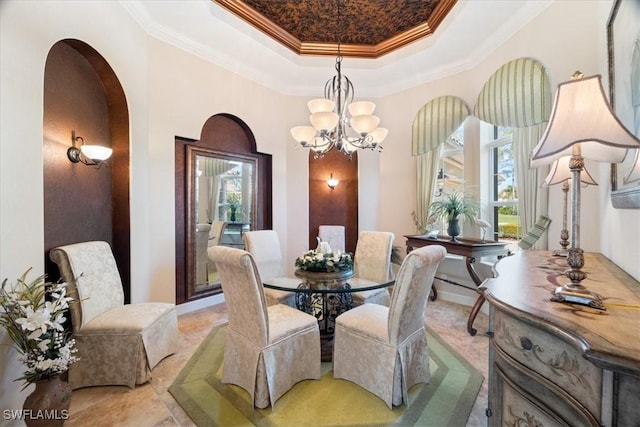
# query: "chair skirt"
[[267, 372], [122, 345], [363, 354]]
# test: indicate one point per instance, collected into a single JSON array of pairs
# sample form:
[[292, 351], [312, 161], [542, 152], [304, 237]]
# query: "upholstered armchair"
[[264, 245], [118, 344], [372, 262], [384, 349], [268, 349], [334, 235]]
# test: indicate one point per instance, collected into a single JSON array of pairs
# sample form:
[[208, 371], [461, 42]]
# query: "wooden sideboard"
[[556, 363]]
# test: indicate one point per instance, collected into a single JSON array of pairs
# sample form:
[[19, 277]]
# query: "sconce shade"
[[581, 114], [560, 173], [97, 153]]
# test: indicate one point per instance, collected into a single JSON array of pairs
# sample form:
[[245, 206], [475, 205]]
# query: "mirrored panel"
[[624, 88], [221, 206]]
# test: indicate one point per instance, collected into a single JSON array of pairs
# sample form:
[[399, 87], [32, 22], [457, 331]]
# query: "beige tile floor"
[[152, 405]]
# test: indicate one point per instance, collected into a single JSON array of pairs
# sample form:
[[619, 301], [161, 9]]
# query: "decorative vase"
[[48, 405], [323, 279], [232, 217], [453, 229]]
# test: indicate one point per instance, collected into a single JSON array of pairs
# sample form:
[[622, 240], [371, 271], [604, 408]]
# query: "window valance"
[[435, 122], [518, 95], [215, 167]]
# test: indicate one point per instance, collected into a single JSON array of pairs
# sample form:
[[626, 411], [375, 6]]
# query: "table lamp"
[[582, 125], [560, 173]]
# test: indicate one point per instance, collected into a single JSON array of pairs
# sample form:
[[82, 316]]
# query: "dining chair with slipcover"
[[264, 245], [268, 349], [215, 238], [202, 260], [372, 262], [384, 349], [334, 235], [117, 343]]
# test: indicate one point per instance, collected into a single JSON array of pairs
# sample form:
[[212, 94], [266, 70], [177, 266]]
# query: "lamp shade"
[[97, 153], [379, 134], [303, 133], [560, 172], [582, 115], [361, 108], [324, 120], [364, 124], [320, 105]]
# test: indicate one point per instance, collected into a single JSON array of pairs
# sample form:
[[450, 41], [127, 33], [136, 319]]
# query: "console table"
[[556, 363], [470, 249]]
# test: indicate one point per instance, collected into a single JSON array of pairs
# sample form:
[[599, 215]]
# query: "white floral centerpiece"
[[320, 260], [33, 314]]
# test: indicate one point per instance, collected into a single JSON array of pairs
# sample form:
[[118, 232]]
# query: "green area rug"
[[446, 401]]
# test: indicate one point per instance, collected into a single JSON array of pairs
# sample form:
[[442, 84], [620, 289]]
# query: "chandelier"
[[331, 126]]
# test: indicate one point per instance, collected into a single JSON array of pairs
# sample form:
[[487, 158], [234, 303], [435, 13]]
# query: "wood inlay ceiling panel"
[[368, 28]]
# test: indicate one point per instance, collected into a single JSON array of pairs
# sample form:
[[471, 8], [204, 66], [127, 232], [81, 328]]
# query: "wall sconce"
[[90, 155], [333, 182]]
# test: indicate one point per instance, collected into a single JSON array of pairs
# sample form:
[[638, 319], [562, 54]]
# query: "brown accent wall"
[[338, 206], [83, 97]]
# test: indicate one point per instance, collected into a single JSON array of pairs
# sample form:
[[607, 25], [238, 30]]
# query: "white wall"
[[170, 92]]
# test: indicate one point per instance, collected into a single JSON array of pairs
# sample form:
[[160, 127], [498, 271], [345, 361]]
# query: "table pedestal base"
[[325, 306]]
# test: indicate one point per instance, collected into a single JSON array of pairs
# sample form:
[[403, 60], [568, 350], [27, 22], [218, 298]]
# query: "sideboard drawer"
[[551, 357]]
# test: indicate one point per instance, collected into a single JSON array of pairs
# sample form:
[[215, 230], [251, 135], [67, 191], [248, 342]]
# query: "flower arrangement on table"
[[315, 260], [33, 314]]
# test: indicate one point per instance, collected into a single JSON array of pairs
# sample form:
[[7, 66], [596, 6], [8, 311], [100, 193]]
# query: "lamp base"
[[577, 295]]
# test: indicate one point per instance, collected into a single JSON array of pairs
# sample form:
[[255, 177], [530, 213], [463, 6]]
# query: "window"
[[230, 197], [503, 187], [451, 170]]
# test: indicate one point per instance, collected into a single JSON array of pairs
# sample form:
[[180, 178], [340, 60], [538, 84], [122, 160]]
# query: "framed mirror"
[[223, 187], [623, 42], [221, 205]]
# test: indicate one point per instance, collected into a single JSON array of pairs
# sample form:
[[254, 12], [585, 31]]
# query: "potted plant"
[[33, 314], [234, 201], [451, 207]]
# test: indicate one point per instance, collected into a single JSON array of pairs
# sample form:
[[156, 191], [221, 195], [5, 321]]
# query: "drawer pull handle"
[[526, 343]]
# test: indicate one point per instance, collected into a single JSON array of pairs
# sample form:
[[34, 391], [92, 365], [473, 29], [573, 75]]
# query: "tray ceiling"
[[364, 28]]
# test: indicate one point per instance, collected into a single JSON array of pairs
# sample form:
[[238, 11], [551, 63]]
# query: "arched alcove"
[[83, 97]]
